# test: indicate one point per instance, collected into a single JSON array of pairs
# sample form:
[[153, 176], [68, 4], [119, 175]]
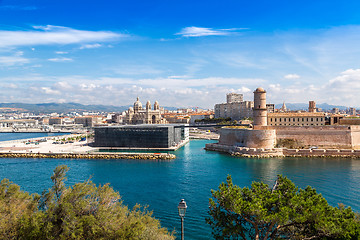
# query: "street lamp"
[[182, 209]]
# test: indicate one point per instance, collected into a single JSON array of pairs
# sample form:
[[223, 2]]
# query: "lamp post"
[[182, 209]]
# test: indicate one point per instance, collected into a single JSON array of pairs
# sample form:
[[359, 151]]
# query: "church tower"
[[260, 110], [312, 106], [156, 106], [148, 106]]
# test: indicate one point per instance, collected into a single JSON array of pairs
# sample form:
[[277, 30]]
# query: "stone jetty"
[[142, 156]]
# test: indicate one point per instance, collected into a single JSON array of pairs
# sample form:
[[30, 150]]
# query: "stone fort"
[[266, 134]]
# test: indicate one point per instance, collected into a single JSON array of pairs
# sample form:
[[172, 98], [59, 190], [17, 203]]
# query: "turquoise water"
[[17, 136], [191, 176]]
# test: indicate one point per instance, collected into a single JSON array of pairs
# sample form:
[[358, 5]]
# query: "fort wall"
[[324, 136], [282, 152], [262, 138]]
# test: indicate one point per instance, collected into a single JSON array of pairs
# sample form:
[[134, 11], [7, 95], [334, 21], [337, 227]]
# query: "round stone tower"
[[312, 106], [260, 110]]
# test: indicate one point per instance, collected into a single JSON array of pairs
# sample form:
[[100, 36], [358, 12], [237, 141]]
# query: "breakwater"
[[143, 156], [282, 152]]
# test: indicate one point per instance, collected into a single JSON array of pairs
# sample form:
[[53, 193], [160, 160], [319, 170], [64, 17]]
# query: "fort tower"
[[260, 110]]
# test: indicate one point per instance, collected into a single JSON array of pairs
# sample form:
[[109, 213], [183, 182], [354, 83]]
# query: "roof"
[[297, 114], [260, 89]]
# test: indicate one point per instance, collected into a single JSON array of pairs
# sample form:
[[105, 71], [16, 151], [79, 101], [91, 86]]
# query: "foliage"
[[283, 212], [83, 211], [213, 120], [14, 205]]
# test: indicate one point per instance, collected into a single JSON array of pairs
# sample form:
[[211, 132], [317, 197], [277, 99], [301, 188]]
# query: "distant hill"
[[305, 106], [65, 107]]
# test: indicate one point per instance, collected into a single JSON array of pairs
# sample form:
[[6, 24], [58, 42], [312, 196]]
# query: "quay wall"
[[245, 151], [262, 138], [282, 152], [144, 156]]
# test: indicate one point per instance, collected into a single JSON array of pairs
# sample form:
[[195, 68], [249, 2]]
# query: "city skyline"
[[179, 53]]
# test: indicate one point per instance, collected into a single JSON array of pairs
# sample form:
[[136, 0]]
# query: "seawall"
[[144, 156], [282, 152]]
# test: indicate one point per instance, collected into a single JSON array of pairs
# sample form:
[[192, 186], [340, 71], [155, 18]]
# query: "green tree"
[[281, 212], [14, 205], [83, 211]]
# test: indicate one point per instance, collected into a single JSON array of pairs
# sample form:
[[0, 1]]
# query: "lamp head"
[[182, 208]]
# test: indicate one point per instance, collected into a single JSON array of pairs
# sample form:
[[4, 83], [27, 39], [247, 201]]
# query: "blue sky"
[[181, 53]]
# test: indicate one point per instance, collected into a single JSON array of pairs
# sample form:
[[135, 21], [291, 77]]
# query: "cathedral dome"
[[137, 105]]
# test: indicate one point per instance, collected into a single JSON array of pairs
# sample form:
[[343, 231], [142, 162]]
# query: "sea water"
[[20, 135], [162, 184]]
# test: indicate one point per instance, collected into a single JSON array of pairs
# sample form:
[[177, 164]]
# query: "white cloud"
[[177, 91], [87, 46], [54, 35], [291, 76], [171, 91], [88, 87], [348, 82], [63, 85], [201, 31], [243, 90], [50, 91], [61, 52], [62, 59], [11, 85], [9, 61], [341, 90]]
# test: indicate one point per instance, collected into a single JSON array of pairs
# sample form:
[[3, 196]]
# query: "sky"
[[180, 53]]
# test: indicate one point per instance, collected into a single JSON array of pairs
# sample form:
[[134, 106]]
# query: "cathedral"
[[139, 115]]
